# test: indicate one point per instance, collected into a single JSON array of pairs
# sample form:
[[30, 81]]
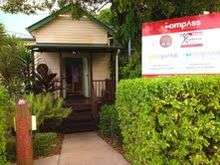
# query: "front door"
[[74, 77]]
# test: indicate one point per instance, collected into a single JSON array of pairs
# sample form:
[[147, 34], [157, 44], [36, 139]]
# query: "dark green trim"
[[57, 47], [74, 46], [67, 8]]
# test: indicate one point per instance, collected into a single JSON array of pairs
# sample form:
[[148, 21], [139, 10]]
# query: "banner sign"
[[187, 45]]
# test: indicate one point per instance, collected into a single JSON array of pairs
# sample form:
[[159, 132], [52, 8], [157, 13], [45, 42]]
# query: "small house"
[[84, 55]]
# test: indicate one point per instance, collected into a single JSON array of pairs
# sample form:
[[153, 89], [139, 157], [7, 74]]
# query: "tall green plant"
[[132, 67], [3, 123], [16, 65], [170, 120], [46, 107], [109, 122]]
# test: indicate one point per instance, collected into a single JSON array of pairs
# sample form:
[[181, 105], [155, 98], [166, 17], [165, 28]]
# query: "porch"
[[86, 76]]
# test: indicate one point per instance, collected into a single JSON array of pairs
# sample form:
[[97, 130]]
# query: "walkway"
[[85, 149]]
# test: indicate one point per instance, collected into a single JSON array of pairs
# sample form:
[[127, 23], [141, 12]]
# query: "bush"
[[170, 120], [132, 68], [3, 124], [11, 149], [43, 143], [109, 123], [45, 107]]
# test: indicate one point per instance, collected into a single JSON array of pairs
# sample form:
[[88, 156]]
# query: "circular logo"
[[165, 41]]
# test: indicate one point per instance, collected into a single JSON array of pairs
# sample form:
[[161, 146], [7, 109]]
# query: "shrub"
[[45, 107], [170, 120], [132, 68], [43, 143], [109, 123], [11, 149], [3, 124]]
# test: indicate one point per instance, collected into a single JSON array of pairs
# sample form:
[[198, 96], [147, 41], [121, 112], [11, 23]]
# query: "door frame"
[[86, 75]]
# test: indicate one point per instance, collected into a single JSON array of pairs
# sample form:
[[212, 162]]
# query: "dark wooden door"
[[74, 76]]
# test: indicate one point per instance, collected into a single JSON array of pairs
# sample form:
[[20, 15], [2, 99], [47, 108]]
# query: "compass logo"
[[165, 41]]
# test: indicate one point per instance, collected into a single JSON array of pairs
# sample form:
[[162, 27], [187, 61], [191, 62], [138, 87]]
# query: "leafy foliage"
[[125, 12], [27, 69], [131, 68], [31, 6], [45, 80], [109, 123], [3, 124], [170, 120], [47, 107], [43, 143], [106, 17], [15, 64]]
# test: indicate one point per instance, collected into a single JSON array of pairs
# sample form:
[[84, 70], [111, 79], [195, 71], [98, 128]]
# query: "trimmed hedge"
[[43, 144], [109, 123], [170, 120], [3, 124]]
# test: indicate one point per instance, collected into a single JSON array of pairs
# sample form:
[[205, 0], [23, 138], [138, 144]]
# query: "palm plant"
[[15, 64]]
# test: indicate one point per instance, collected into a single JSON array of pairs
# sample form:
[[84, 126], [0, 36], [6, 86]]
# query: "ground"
[[84, 149]]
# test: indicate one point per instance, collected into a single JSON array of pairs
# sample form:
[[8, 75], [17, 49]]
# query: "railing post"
[[23, 134]]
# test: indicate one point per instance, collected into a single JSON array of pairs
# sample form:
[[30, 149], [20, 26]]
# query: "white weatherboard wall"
[[52, 60], [66, 30], [101, 66]]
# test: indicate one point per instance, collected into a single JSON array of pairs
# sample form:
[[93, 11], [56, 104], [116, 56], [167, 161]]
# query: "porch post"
[[117, 67], [32, 65], [91, 74], [61, 73]]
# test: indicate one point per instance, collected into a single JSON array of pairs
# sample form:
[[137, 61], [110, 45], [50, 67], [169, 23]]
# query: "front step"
[[78, 122], [81, 118], [71, 127]]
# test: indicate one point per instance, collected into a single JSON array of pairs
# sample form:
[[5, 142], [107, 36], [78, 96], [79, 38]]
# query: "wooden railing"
[[101, 89], [104, 89]]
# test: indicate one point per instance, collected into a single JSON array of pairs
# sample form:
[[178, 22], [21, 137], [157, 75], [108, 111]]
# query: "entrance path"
[[88, 149], [84, 149]]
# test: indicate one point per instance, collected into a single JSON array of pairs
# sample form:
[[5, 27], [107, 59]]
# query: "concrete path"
[[84, 149], [88, 149]]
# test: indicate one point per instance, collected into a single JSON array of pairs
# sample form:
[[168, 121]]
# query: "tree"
[[31, 6], [126, 16], [106, 17], [129, 15], [15, 63]]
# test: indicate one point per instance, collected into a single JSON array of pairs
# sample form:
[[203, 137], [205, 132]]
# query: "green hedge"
[[109, 123], [170, 120], [43, 144], [3, 123]]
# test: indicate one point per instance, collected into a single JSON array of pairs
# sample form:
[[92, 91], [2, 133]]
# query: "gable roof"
[[54, 15]]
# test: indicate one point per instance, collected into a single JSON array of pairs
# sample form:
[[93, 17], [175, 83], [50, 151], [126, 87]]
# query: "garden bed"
[[55, 149], [44, 145]]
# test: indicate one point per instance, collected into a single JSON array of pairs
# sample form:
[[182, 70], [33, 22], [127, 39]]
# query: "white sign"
[[34, 123], [188, 45]]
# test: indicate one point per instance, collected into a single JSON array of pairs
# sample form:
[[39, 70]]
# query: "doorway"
[[74, 77]]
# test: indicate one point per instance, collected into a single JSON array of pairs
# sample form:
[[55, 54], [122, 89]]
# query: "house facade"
[[82, 52]]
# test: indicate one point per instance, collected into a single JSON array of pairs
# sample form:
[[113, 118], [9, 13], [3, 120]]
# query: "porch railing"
[[104, 89], [101, 89]]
